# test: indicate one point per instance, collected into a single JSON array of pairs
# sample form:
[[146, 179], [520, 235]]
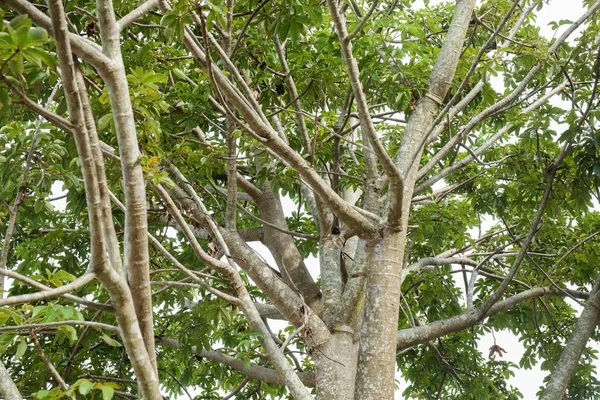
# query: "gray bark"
[[569, 359], [335, 366], [7, 386], [377, 358]]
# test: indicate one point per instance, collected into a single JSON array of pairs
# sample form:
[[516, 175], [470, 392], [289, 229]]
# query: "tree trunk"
[[335, 366], [7, 386], [377, 344], [569, 359]]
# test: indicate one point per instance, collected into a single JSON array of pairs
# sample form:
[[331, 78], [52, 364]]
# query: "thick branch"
[[136, 258], [348, 214], [254, 371], [569, 359], [113, 280], [440, 79], [246, 303], [422, 334], [136, 14], [396, 179], [7, 386]]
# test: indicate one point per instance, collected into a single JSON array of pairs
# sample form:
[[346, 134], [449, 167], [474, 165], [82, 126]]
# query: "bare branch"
[[133, 339], [440, 80], [20, 196], [257, 123], [55, 119], [48, 294], [190, 274], [480, 150], [255, 371], [136, 258], [367, 126], [246, 303], [91, 324], [421, 334], [363, 21], [293, 95], [136, 14], [48, 363], [44, 288]]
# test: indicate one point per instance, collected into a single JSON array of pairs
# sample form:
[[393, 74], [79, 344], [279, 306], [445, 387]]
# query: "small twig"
[[287, 232], [363, 21], [78, 345], [48, 363], [237, 389], [108, 378], [95, 325]]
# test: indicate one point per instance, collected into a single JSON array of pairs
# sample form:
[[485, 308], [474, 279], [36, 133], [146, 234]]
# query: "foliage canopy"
[[269, 110]]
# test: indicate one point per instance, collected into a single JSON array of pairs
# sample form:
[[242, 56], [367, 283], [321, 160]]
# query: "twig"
[[48, 363], [95, 325]]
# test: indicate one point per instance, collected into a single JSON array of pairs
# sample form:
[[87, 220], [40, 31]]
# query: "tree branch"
[[47, 294], [136, 14], [112, 279], [256, 122], [569, 359], [61, 382], [392, 172], [44, 288], [254, 371], [422, 334], [91, 324], [246, 303], [20, 196], [7, 386]]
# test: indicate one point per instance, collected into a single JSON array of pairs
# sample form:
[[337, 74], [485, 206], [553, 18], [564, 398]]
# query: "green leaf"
[[21, 20], [21, 36], [179, 74], [107, 392], [35, 36], [21, 348], [85, 386], [37, 310], [110, 341], [39, 57], [70, 332], [16, 64], [63, 276], [18, 318], [41, 394], [104, 121], [6, 41], [68, 312]]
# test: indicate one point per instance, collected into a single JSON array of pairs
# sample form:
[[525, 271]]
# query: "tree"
[[176, 131]]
